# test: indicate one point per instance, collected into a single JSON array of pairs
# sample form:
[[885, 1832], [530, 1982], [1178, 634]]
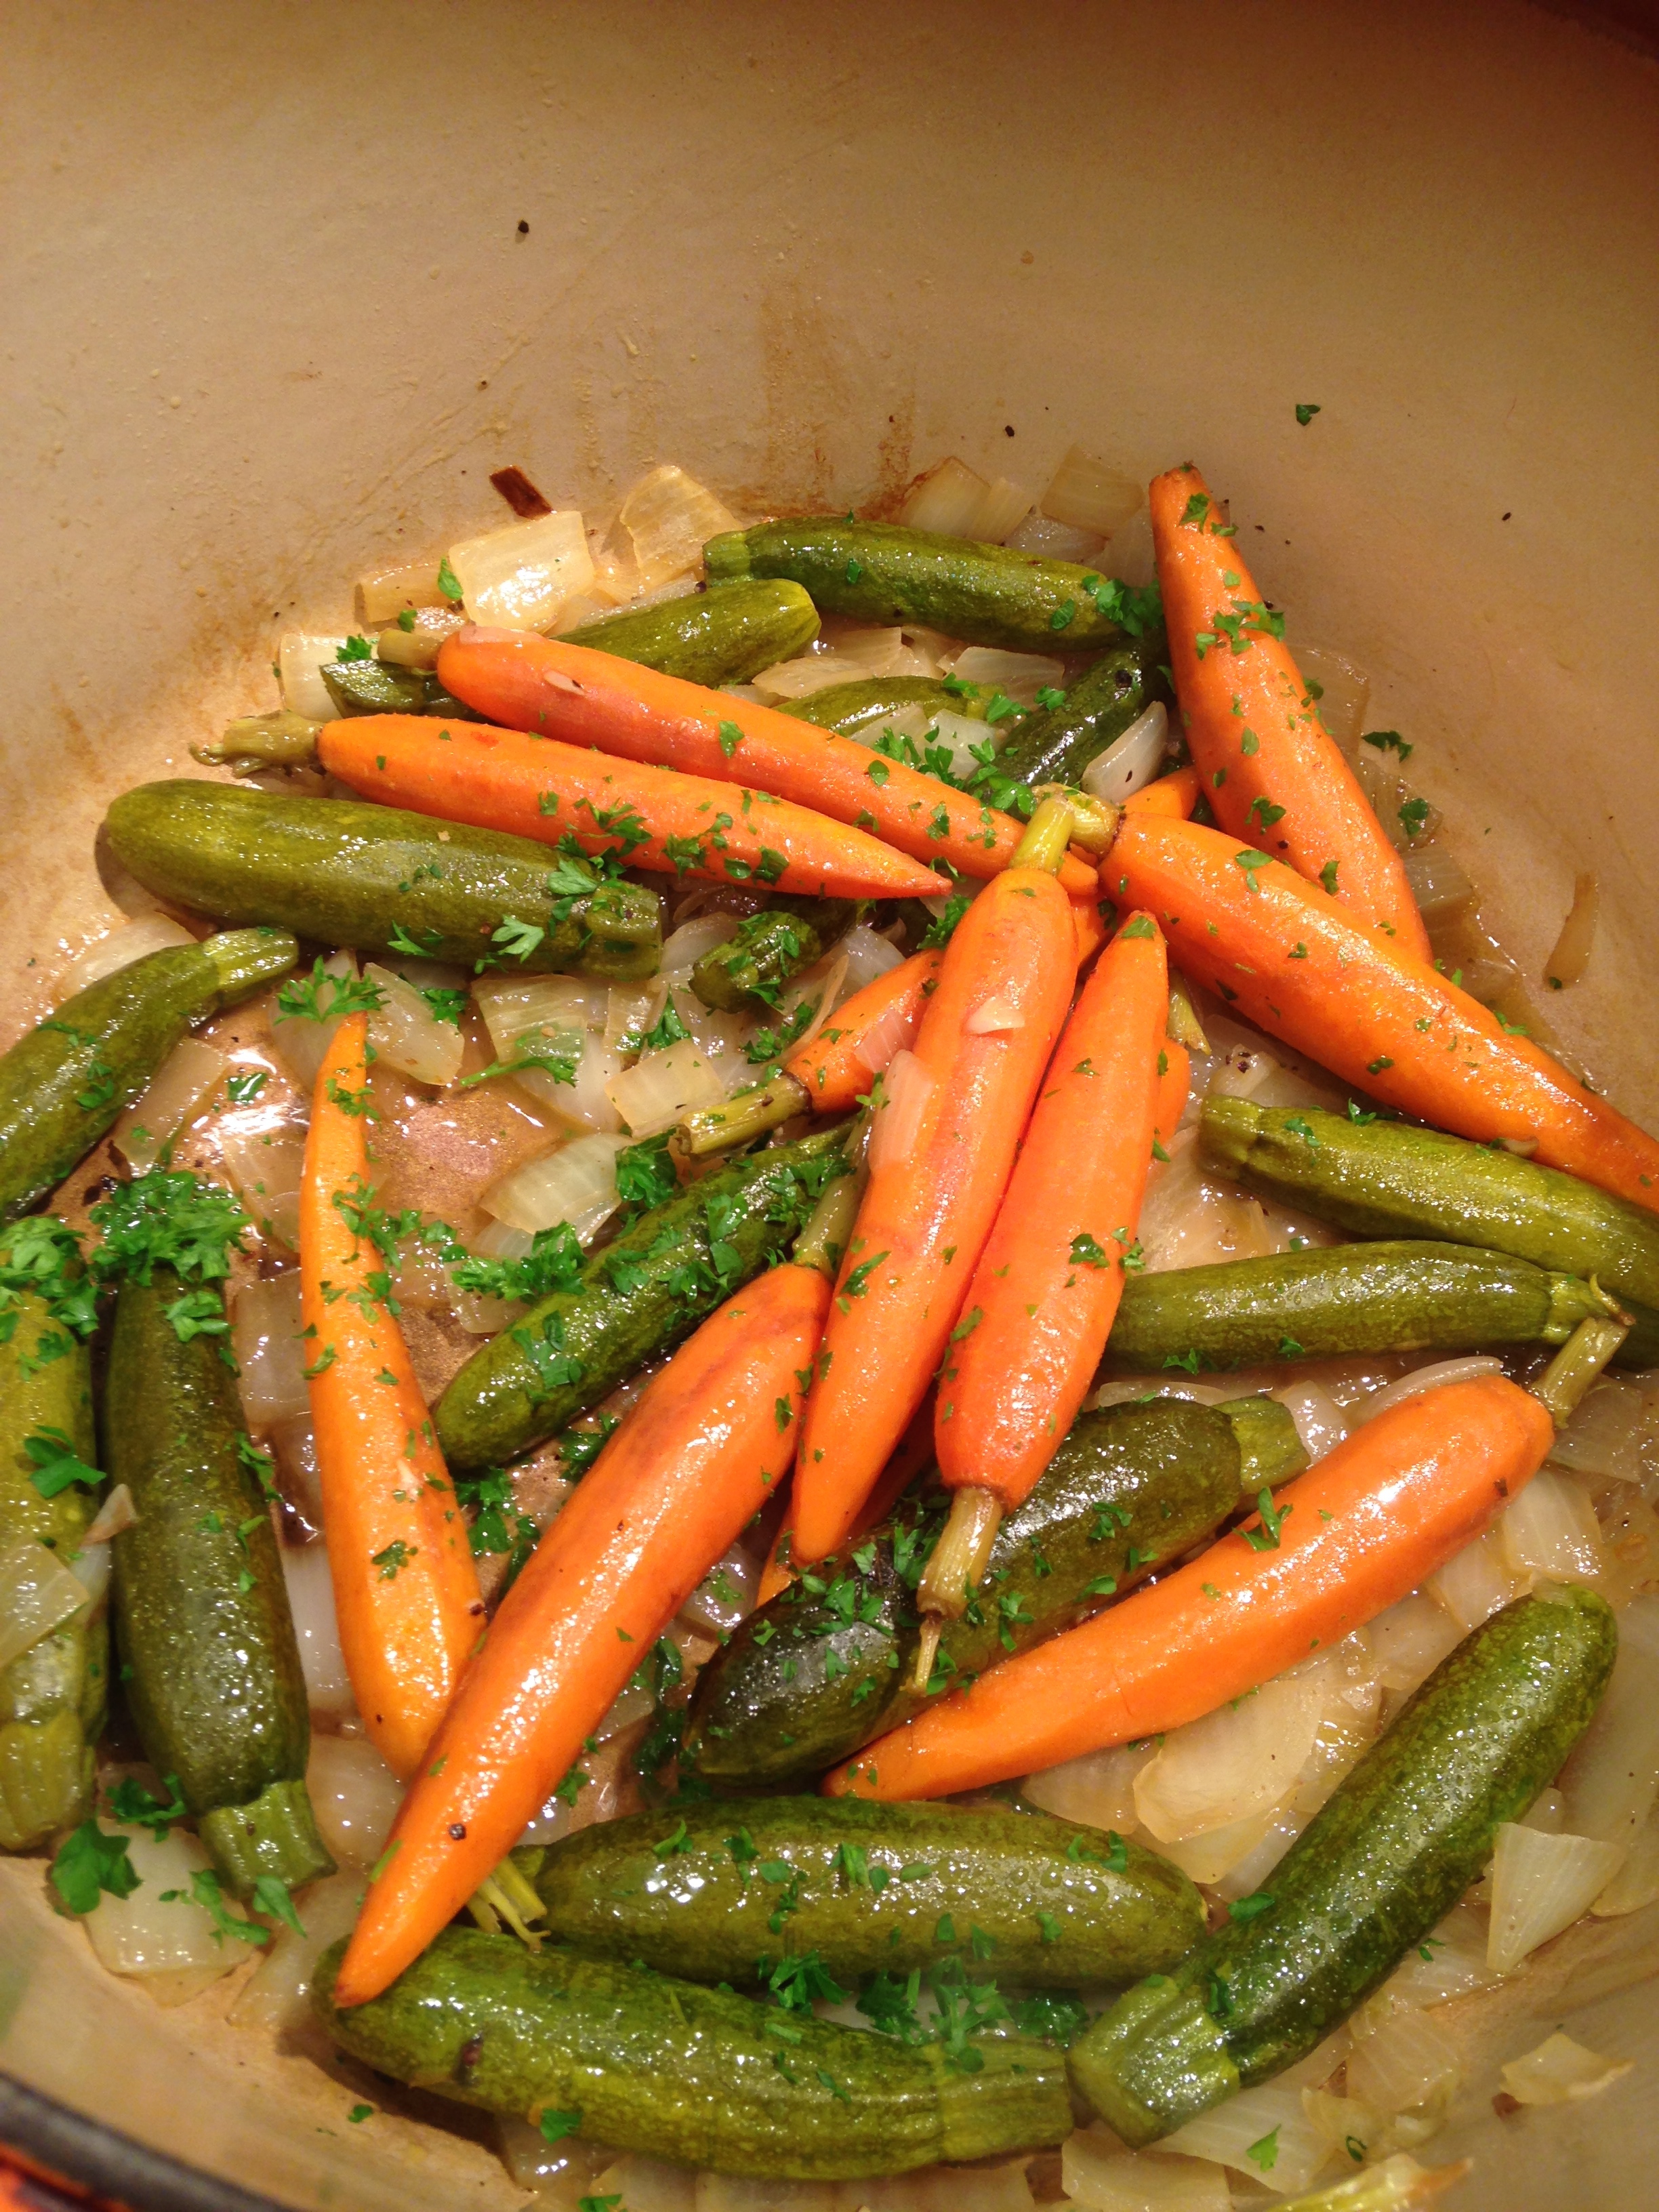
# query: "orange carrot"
[[590, 698], [1348, 1539], [1046, 1291], [862, 1035], [1271, 771], [1088, 928], [502, 779], [689, 1468], [405, 1590], [932, 1199], [1301, 967], [912, 1452], [1174, 793], [1174, 1077]]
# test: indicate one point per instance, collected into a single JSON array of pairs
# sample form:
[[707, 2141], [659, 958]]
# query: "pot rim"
[[62, 2144]]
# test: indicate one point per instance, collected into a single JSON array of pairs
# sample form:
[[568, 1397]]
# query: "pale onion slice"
[[1550, 1529], [1091, 494], [634, 1702], [354, 1794], [1265, 2133], [1430, 1377], [644, 2185], [1539, 1884], [116, 1514], [908, 1091], [300, 658], [577, 1184], [511, 1005], [1345, 688], [825, 985], [890, 1034], [1240, 1760], [520, 577], [726, 1594], [266, 1168], [1130, 1387], [559, 2174], [868, 955], [1020, 676], [1192, 1216], [270, 1354], [1547, 1812], [811, 671], [1570, 956], [160, 1928], [1055, 541], [295, 1442], [1411, 1639], [1475, 1583], [1437, 879], [1132, 760], [1320, 1423], [1406, 2065], [1561, 2072], [927, 2189], [118, 948], [275, 1996], [1132, 555], [631, 1009], [965, 739], [383, 596], [1612, 1433], [1636, 1882], [37, 1593], [316, 1630], [878, 652], [1347, 2126], [174, 1096], [1610, 1780], [301, 1043], [404, 1033], [419, 645], [949, 499], [994, 1017], [1240, 1071], [1100, 2176], [670, 517], [662, 1087], [1215, 1858], [1003, 508], [586, 1103], [693, 940], [1449, 1963]]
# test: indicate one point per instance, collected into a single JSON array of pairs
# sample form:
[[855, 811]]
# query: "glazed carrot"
[[1271, 771], [912, 1453], [1174, 1077], [586, 697], [1346, 1540], [1174, 793], [689, 1468], [405, 1590], [929, 1207], [1041, 1301], [1301, 967], [1088, 928], [502, 779]]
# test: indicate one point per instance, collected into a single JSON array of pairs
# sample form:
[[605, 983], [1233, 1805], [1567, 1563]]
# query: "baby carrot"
[[689, 1468], [405, 1590], [1174, 1080], [984, 1041], [1088, 928], [568, 692], [1302, 967], [1271, 769], [1174, 793], [1336, 1547], [685, 824]]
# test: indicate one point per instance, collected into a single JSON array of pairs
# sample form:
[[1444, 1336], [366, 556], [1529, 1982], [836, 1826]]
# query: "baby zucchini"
[[1406, 1833], [210, 1663], [703, 2077], [370, 687], [1056, 744], [709, 637], [710, 1890], [863, 709], [769, 949], [341, 872], [826, 1666], [69, 1079]]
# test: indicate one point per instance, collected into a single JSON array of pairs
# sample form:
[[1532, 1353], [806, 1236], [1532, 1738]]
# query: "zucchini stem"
[[956, 1570], [822, 1242], [1567, 1381], [283, 739], [1046, 836], [1094, 821], [1184, 1026], [749, 1114], [506, 1895]]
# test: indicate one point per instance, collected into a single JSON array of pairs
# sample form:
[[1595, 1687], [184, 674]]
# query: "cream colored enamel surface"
[[270, 324]]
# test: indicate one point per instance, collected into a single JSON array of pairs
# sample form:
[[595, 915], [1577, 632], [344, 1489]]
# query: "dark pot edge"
[[97, 2158]]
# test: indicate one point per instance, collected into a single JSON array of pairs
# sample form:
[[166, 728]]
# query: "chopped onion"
[[1214, 1857], [265, 1335], [114, 1517], [1550, 1529], [1636, 1882], [868, 955], [577, 1184], [662, 1087], [1100, 2176], [1547, 1812], [1539, 1884], [355, 1796], [878, 652], [1612, 1433], [560, 2174], [1265, 2133], [1002, 2188], [1237, 1761], [644, 2185], [295, 1442], [1320, 1421], [670, 517], [1133, 560], [563, 1017], [726, 1594], [160, 1928], [1021, 675], [1134, 760], [1055, 541], [520, 577], [405, 1034], [174, 1096], [1347, 2126], [950, 498], [1411, 1639], [1429, 1378], [301, 1043], [1240, 1071], [1611, 1779], [118, 948], [693, 940], [908, 1092], [811, 671], [383, 597], [511, 1005], [824, 984], [992, 1017], [1407, 2063], [300, 658], [636, 1701], [1570, 956], [1130, 1387], [1561, 2072], [890, 1034], [37, 1593], [1091, 494], [1097, 1790], [631, 1009], [316, 1629], [1191, 1216], [1450, 1964], [1003, 508], [266, 1168], [1437, 881], [419, 645], [1345, 689], [276, 1995], [1474, 1583]]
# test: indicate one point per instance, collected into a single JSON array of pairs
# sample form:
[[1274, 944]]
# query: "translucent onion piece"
[[825, 985], [868, 955], [634, 1702], [585, 1103], [302, 1044], [1539, 1884], [907, 1089], [1100, 2176], [382, 596], [266, 1170], [1269, 2122], [893, 1032], [1636, 1882], [295, 1442], [1020, 675], [520, 577], [961, 734], [405, 1034], [276, 1995], [692, 940], [37, 1592], [419, 646], [355, 1796], [1550, 1529], [929, 2189], [992, 1017], [1346, 2126], [91, 1567], [1003, 508], [1320, 1421], [949, 499], [161, 1928], [1411, 1639], [1055, 541], [726, 1594], [117, 1513], [174, 1096], [630, 1010], [577, 1184], [810, 672], [1191, 1216], [1448, 1964], [1132, 554], [1610, 1780], [1214, 1857], [1613, 1432], [1091, 494], [662, 1087], [1439, 881], [300, 657], [511, 1005], [1129, 1387], [422, 1280], [560, 2174], [1408, 2063], [1097, 1789], [644, 2184], [1561, 2072], [1475, 1583], [670, 517], [118, 948], [1547, 1812], [264, 1335], [1240, 1760], [1570, 956], [311, 1600], [1429, 1378], [878, 652], [1132, 760], [1346, 686]]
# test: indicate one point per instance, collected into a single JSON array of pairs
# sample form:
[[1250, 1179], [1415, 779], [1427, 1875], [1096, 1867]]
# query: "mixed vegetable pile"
[[586, 1422]]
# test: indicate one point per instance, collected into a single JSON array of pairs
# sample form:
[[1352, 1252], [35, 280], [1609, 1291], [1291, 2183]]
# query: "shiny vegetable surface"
[[708, 637], [769, 949], [863, 709], [1056, 744]]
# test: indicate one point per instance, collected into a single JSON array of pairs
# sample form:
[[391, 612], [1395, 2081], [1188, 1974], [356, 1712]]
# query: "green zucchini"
[[703, 2077], [826, 1666], [1056, 744], [1406, 1833], [51, 1696], [69, 1079], [1393, 1296], [370, 687], [863, 709], [769, 949], [639, 1296], [209, 1659], [878, 572], [709, 637], [342, 872], [1384, 1179], [708, 1891]]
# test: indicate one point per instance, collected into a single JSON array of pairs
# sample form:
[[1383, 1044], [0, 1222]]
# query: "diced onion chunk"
[[1560, 2071], [1091, 494], [160, 1927], [270, 1354], [38, 1594], [907, 1089], [1133, 760], [174, 1096], [407, 1035], [1541, 1884], [670, 517], [118, 948], [577, 1184], [662, 1087], [518, 578]]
